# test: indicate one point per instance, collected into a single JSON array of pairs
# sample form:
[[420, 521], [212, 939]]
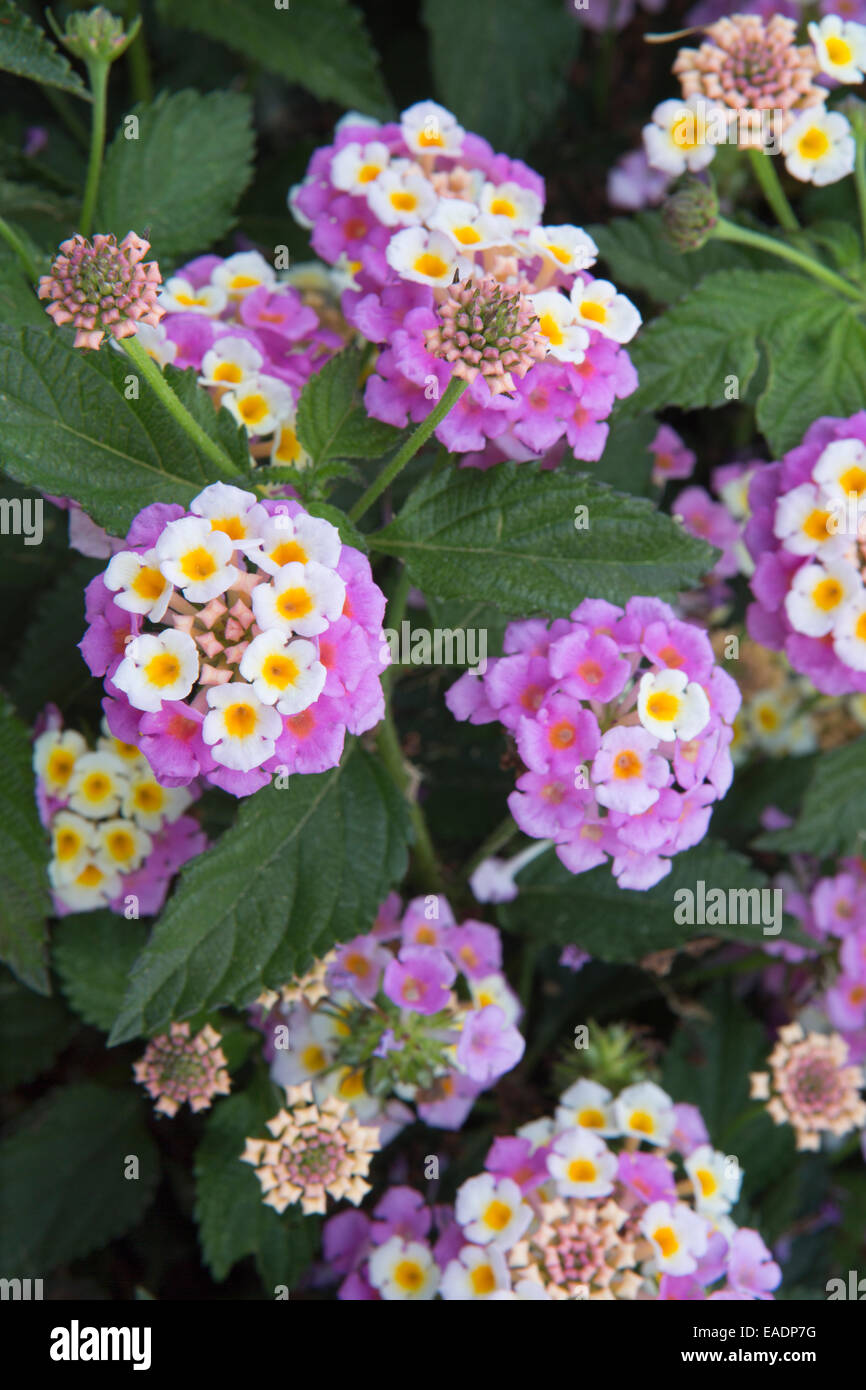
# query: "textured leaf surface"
[[62, 1187], [26, 51], [69, 430], [33, 1030], [503, 78], [93, 955], [507, 536], [322, 45], [616, 924], [24, 898], [183, 174], [303, 867], [832, 819]]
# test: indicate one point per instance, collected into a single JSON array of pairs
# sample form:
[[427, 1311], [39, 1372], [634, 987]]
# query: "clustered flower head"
[[237, 639], [484, 328], [622, 720], [616, 1197], [177, 1069], [810, 1087], [317, 1151], [254, 338], [748, 71], [116, 833], [381, 1018], [405, 207], [807, 536], [101, 287], [748, 64]]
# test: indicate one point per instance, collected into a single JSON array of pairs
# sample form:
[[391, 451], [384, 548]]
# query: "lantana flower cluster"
[[316, 1151], [807, 536], [749, 70], [615, 1197], [100, 287], [408, 208], [254, 338], [177, 1069], [117, 835], [237, 640], [811, 1085], [418, 1010], [622, 720]]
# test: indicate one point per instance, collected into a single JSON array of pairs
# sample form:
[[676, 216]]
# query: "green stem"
[[388, 743], [456, 386], [860, 178], [730, 231], [505, 831], [98, 75], [154, 377], [765, 172], [138, 60], [12, 239]]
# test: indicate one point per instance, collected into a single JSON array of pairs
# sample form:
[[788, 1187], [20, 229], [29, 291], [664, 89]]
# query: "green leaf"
[[322, 45], [304, 866], [24, 898], [183, 174], [62, 1180], [69, 430], [503, 80], [708, 1065], [616, 924], [832, 818], [331, 423], [507, 536], [56, 629], [640, 258], [26, 51], [33, 1031], [813, 343], [94, 953], [233, 1220], [18, 302]]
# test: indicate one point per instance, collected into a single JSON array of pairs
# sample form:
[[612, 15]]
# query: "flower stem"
[[426, 863], [13, 240], [154, 377], [729, 231], [456, 386], [860, 178], [504, 831], [766, 175], [98, 74]]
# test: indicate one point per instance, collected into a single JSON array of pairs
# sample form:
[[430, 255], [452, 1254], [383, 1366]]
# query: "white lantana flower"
[[671, 706], [157, 667], [819, 147]]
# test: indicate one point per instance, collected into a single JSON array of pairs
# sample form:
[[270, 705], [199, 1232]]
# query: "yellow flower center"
[[430, 265], [244, 282], [240, 720], [560, 253], [148, 583], [707, 1182], [666, 1240], [827, 595], [121, 845], [467, 236], [287, 552], [590, 1118], [497, 1215], [853, 480], [294, 603], [227, 371], [482, 1280], [67, 844], [838, 51], [313, 1058], [662, 705], [280, 671], [813, 144], [581, 1170], [352, 1085], [642, 1122], [96, 787], [596, 313], [90, 877], [368, 172], [198, 564], [288, 449], [163, 669], [148, 797], [404, 202], [626, 764], [253, 409], [503, 207], [815, 525], [60, 765], [409, 1276], [551, 329]]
